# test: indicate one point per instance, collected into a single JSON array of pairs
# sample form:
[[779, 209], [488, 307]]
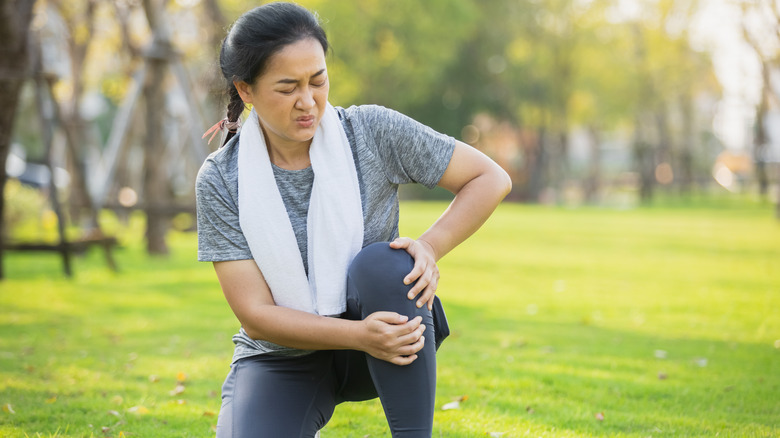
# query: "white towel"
[[334, 222]]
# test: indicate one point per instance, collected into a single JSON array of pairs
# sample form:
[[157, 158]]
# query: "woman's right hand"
[[392, 337]]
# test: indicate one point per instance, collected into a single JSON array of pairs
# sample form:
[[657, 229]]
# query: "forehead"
[[298, 60]]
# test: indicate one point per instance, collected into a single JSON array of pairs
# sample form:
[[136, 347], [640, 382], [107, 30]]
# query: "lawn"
[[660, 322]]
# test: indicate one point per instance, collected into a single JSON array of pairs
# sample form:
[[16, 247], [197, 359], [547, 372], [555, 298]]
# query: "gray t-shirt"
[[389, 149]]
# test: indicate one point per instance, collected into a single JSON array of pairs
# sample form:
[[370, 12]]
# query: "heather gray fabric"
[[389, 149]]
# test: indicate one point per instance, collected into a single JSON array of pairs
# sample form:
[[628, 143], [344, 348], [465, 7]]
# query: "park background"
[[629, 286]]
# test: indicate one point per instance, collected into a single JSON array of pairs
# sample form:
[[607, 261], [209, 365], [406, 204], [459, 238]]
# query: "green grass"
[[666, 320]]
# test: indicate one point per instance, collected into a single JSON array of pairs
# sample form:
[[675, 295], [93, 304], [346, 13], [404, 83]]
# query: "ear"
[[244, 90]]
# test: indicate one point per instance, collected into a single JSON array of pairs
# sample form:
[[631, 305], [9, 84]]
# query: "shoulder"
[[369, 115], [221, 166]]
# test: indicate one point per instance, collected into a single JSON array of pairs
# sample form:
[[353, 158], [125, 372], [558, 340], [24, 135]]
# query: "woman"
[[296, 211]]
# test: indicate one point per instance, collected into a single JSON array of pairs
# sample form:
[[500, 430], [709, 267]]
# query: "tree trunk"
[[155, 181], [688, 146], [535, 167], [593, 180], [15, 16], [760, 139], [217, 20]]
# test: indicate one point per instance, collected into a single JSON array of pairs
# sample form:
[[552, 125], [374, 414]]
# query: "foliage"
[[566, 323], [25, 210], [542, 67]]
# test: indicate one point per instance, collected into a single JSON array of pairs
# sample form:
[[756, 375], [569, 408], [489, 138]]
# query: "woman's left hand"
[[425, 271]]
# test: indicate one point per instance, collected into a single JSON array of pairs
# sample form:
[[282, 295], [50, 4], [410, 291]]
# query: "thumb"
[[401, 242]]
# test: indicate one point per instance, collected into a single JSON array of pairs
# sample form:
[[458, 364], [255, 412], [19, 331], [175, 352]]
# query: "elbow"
[[252, 323], [252, 332], [504, 182]]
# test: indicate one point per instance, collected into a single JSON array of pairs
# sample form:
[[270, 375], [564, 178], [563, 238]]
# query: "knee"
[[378, 264]]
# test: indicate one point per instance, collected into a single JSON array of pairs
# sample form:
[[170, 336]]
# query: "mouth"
[[305, 121]]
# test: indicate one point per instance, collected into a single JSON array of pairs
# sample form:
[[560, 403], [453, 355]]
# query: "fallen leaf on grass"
[[496, 434], [529, 409], [455, 404], [114, 413], [181, 402], [181, 377], [140, 410], [154, 379], [662, 376], [178, 389], [660, 354], [117, 399], [105, 430], [451, 405], [702, 362], [208, 414], [50, 400], [8, 408], [600, 416]]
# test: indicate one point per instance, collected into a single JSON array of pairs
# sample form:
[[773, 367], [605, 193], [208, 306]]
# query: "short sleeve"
[[409, 150], [219, 231]]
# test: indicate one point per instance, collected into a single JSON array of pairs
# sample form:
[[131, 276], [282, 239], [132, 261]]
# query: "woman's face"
[[291, 95]]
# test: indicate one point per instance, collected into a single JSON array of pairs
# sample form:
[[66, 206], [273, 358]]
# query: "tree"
[[761, 30], [15, 17]]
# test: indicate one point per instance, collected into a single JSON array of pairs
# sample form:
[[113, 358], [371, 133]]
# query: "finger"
[[424, 281], [414, 324], [417, 271], [418, 287], [390, 317], [412, 337], [408, 350], [426, 296], [403, 360], [417, 346], [411, 326], [428, 293], [401, 242]]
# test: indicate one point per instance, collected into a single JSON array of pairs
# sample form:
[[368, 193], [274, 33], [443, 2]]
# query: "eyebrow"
[[295, 81]]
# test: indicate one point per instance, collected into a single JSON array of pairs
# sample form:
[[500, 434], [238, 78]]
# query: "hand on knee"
[[392, 337]]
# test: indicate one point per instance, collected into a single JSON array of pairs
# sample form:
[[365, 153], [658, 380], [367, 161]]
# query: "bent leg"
[[274, 396], [407, 392]]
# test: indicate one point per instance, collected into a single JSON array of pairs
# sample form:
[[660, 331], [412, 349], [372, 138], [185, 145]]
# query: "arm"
[[384, 335], [479, 185]]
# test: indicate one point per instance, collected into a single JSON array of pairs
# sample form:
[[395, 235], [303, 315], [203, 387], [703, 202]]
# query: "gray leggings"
[[290, 397]]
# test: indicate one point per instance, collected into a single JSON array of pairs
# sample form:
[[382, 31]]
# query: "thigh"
[[272, 396], [354, 378]]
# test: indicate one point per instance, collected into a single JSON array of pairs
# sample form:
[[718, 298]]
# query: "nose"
[[305, 100]]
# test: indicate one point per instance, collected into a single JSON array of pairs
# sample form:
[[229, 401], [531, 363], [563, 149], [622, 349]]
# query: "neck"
[[293, 156]]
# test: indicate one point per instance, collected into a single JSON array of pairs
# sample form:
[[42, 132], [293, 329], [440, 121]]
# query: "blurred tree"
[[156, 191], [79, 18], [761, 30], [392, 55], [668, 75], [15, 17]]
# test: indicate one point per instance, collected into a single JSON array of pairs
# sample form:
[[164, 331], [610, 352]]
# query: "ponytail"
[[235, 108]]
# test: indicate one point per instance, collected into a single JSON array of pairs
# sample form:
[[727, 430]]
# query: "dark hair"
[[255, 37]]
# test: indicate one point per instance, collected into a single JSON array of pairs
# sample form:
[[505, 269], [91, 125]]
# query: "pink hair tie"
[[221, 126]]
